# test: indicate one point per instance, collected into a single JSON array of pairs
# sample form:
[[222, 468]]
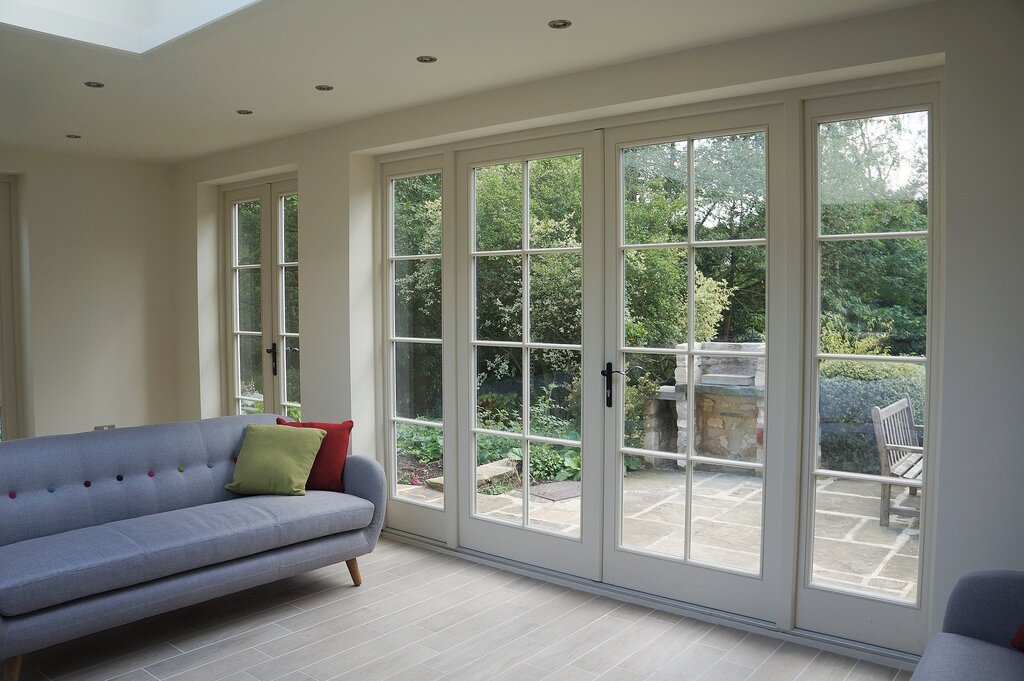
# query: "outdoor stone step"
[[487, 474]]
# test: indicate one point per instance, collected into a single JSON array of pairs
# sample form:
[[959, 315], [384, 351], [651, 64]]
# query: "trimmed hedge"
[[847, 390]]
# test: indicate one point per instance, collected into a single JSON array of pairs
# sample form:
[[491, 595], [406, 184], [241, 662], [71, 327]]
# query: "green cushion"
[[275, 460]]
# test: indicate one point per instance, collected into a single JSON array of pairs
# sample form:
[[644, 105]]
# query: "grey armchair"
[[985, 611]]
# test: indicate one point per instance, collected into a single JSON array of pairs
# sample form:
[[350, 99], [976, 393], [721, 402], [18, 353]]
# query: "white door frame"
[[580, 557], [765, 597]]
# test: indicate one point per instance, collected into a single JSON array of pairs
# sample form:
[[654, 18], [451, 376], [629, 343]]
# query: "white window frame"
[[272, 267], [436, 523], [792, 270], [897, 624]]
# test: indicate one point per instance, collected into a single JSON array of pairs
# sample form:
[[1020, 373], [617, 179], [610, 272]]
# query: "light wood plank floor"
[[422, 616]]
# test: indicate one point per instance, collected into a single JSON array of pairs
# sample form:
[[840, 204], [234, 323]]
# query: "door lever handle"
[[272, 351], [607, 372]]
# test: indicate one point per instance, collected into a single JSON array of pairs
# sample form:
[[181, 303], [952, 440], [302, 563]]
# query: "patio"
[[851, 550]]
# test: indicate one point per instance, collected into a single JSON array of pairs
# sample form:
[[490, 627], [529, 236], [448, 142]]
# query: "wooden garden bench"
[[899, 451]]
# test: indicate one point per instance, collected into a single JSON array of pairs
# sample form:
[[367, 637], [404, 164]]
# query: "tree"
[[873, 179]]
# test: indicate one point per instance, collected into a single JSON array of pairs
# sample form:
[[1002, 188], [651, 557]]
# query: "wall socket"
[[109, 426]]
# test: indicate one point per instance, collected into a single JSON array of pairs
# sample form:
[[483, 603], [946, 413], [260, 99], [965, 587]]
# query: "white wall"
[[980, 524], [981, 458], [97, 297]]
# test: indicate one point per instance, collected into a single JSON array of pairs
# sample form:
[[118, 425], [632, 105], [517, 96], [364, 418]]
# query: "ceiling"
[[179, 100]]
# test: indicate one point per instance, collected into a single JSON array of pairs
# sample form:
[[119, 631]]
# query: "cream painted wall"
[[97, 293], [981, 459], [980, 523]]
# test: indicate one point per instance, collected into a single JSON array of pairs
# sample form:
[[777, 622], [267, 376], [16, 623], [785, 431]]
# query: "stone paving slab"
[[851, 550]]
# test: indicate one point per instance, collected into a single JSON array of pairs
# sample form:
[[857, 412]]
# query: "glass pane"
[[418, 381], [729, 409], [730, 294], [419, 466], [555, 473], [290, 204], [852, 551], [291, 299], [250, 366], [250, 407], [655, 403], [655, 193], [556, 298], [654, 505], [499, 392], [848, 391], [874, 296], [556, 201], [873, 174], [418, 298], [417, 214], [499, 207], [555, 393], [727, 517], [250, 300], [247, 233], [499, 298], [729, 187], [499, 483], [656, 298], [291, 371]]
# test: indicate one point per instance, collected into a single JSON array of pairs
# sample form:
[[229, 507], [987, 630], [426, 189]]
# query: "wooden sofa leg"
[[12, 668], [353, 570]]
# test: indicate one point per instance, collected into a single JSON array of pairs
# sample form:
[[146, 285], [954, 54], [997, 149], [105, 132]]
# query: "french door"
[[263, 294], [652, 377], [532, 283], [617, 386], [694, 441]]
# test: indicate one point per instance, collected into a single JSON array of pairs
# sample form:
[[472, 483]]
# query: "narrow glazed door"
[[532, 475], [690, 485]]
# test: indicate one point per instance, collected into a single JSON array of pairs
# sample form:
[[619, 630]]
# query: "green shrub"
[[632, 463], [423, 443], [546, 461], [847, 390]]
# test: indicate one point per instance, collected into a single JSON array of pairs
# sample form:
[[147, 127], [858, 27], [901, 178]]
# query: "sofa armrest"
[[364, 477], [988, 606]]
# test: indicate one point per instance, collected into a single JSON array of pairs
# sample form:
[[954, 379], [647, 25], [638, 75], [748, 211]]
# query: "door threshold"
[[833, 644]]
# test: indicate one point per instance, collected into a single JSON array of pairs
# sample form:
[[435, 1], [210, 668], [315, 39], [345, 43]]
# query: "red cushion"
[[329, 464], [1018, 640]]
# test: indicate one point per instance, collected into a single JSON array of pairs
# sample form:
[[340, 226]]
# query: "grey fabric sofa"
[[985, 611], [103, 528]]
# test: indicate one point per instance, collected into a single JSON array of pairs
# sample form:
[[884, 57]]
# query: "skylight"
[[131, 25]]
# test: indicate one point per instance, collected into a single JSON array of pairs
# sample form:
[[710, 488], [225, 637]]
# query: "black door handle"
[[272, 351], [607, 373]]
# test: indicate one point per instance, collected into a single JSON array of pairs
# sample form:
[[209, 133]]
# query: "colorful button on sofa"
[[103, 528]]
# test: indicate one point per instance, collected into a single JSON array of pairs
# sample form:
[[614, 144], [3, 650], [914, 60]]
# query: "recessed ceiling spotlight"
[[73, 137], [559, 23], [94, 83], [243, 112], [426, 59], [323, 88]]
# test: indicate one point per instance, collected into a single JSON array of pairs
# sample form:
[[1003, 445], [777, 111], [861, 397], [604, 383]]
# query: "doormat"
[[556, 491]]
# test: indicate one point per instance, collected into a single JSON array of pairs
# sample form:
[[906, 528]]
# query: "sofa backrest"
[[64, 482]]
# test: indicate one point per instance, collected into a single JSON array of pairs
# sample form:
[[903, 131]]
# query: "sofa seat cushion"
[[952, 657], [46, 571]]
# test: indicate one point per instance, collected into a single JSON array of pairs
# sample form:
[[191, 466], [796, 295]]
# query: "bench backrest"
[[64, 482], [894, 425]]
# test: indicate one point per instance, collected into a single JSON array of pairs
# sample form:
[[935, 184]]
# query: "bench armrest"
[[906, 448], [364, 477], [988, 606]]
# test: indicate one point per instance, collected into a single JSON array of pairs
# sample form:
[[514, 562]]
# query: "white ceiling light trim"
[[131, 25]]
